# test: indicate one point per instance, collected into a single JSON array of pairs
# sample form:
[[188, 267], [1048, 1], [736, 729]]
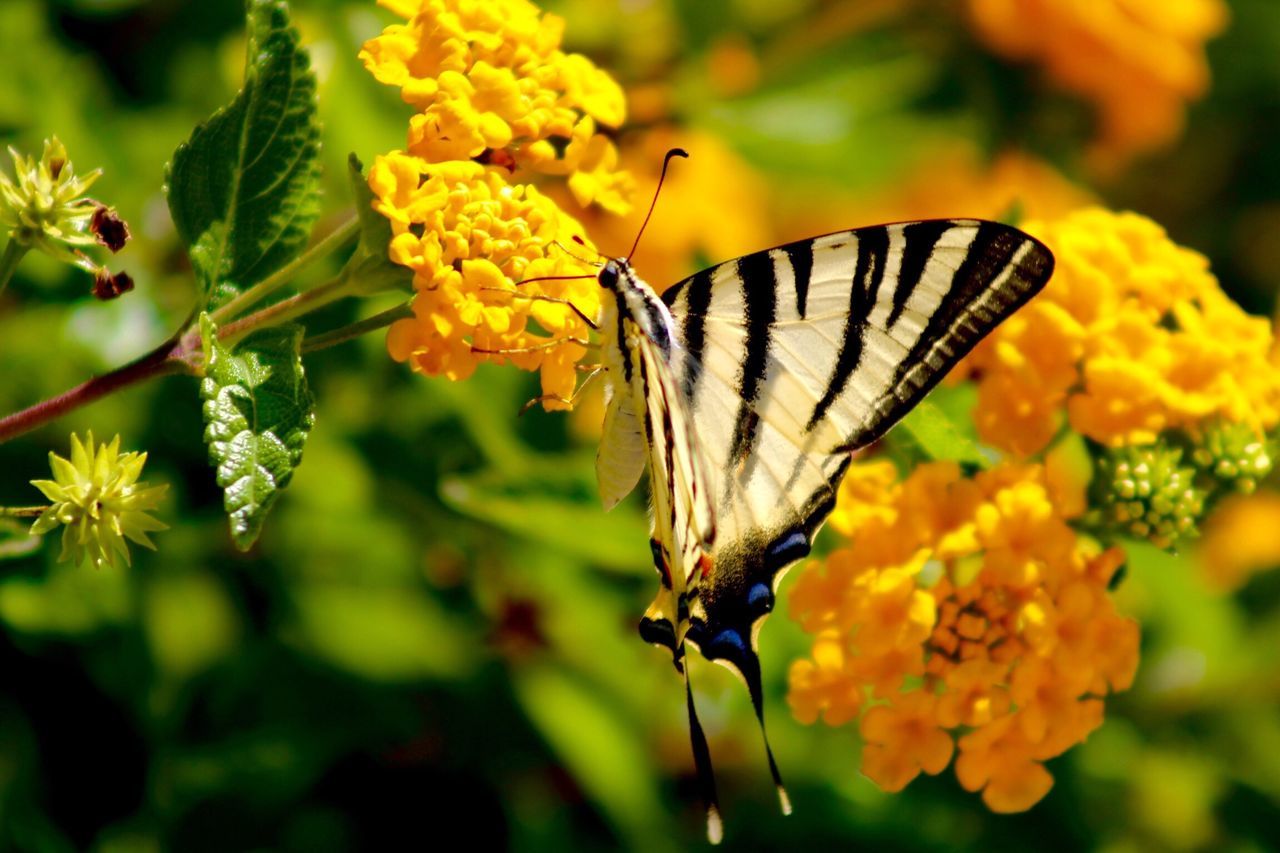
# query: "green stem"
[[278, 279], [287, 309], [13, 253], [354, 330], [21, 511]]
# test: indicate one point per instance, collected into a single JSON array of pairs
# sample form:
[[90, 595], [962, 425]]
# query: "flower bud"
[[1146, 492], [1235, 455]]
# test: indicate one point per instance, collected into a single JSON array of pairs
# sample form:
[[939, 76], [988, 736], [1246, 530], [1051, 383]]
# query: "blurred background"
[[436, 632]]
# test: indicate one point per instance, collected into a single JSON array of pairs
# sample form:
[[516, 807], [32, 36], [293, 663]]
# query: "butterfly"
[[745, 389]]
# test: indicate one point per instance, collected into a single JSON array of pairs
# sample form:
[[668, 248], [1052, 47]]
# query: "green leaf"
[[369, 265], [555, 505], [848, 121], [258, 411], [243, 188], [938, 437], [382, 632], [600, 747]]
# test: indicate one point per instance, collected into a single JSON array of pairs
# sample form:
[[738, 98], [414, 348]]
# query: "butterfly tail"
[[702, 766], [749, 666]]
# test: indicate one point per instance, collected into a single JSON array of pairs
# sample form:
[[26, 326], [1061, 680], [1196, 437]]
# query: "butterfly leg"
[[533, 348], [568, 401], [533, 297]]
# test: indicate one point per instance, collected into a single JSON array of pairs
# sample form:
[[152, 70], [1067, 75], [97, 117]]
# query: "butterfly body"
[[745, 388]]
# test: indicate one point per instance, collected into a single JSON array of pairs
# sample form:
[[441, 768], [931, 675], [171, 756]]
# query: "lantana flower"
[[497, 100], [1132, 336], [962, 616], [44, 207]]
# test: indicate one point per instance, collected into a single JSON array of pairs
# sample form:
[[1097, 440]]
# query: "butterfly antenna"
[[553, 278], [666, 161], [576, 257], [702, 765]]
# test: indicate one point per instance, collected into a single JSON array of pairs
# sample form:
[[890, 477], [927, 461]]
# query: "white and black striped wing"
[[681, 485], [794, 357]]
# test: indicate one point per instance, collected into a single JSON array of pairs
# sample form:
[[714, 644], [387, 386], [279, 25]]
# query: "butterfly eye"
[[609, 276]]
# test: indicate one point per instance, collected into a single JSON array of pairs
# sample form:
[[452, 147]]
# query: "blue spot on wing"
[[788, 548]]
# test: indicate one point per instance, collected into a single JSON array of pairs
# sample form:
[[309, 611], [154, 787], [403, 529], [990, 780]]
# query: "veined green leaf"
[[243, 188], [939, 438], [258, 411]]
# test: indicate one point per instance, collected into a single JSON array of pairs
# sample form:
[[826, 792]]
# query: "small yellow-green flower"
[[97, 498], [44, 208]]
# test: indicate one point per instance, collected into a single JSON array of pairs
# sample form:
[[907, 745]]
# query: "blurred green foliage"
[[435, 633]]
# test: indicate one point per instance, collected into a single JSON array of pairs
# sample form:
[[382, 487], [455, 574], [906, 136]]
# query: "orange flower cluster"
[[1131, 337], [962, 615], [1139, 61], [494, 93]]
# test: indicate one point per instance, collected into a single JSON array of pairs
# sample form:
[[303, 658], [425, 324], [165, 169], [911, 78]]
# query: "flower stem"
[[287, 309], [21, 511], [355, 330], [182, 352], [13, 253], [169, 357], [278, 279]]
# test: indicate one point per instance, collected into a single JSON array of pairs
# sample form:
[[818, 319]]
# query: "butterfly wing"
[[681, 486], [796, 356]]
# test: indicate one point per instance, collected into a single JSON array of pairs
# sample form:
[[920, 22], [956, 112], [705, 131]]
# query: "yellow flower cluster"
[[489, 76], [1132, 336], [1139, 61], [962, 615], [484, 235], [495, 94]]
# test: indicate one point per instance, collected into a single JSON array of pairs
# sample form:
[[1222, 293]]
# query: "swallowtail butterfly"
[[744, 390]]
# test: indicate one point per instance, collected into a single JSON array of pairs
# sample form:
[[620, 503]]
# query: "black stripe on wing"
[[868, 273], [694, 330], [919, 240], [973, 306], [801, 257], [760, 296]]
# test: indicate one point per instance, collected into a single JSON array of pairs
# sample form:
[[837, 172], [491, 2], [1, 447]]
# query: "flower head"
[[1132, 337], [99, 502], [496, 96], [490, 76], [470, 238], [973, 614], [44, 208]]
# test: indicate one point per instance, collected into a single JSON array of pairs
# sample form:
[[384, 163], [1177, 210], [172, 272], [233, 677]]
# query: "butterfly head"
[[612, 273]]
